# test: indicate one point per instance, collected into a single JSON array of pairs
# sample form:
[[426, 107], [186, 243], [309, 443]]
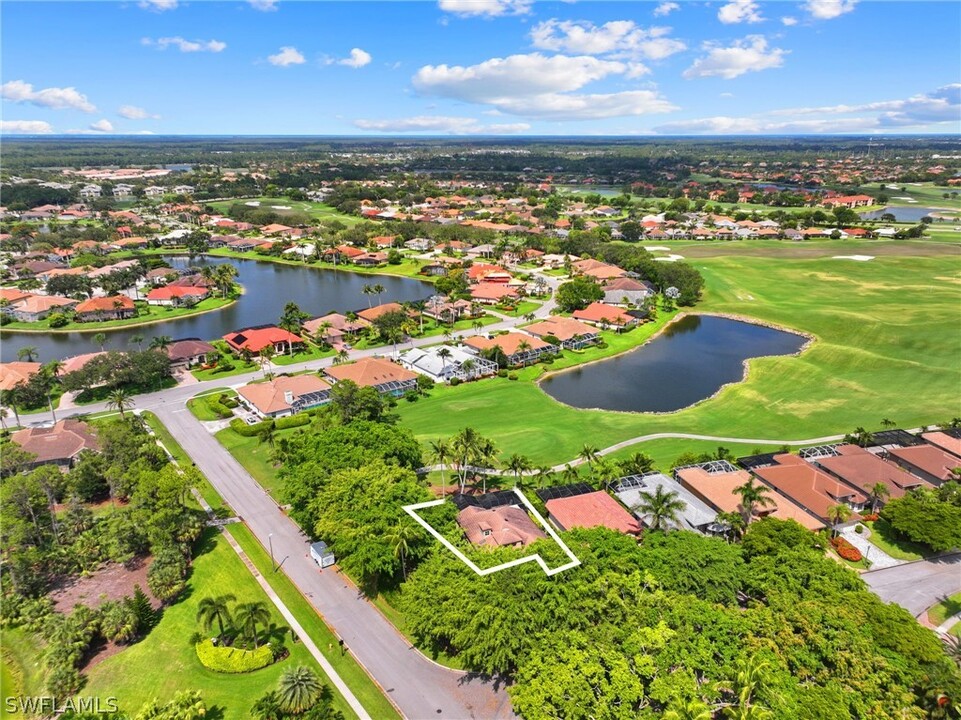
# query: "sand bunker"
[[669, 258], [859, 258], [652, 248]]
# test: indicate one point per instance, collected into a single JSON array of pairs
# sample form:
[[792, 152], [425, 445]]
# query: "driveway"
[[919, 585], [418, 686]]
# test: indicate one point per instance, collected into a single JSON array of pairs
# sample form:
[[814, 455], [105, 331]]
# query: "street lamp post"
[[270, 541]]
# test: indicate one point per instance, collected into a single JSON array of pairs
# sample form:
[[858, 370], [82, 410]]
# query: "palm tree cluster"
[[220, 276], [471, 450], [299, 692], [243, 622]]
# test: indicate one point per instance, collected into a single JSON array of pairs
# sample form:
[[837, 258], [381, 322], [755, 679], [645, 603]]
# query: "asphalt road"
[[418, 686], [917, 586]]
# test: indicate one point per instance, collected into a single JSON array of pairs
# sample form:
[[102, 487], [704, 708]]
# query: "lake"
[[686, 363], [268, 287], [901, 214]]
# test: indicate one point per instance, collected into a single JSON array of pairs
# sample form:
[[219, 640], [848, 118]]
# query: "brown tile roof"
[[864, 470], [14, 373], [42, 303], [600, 312], [105, 304], [371, 372], [492, 291], [78, 361], [717, 490], [500, 526], [13, 295], [927, 458], [191, 347], [338, 324], [509, 342], [596, 509], [563, 328], [803, 483], [269, 397], [371, 314], [63, 441], [944, 441]]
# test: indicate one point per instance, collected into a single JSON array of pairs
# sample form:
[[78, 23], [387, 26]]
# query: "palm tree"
[[266, 353], [368, 290], [659, 508], [878, 492], [11, 398], [637, 464], [100, 339], [137, 340], [161, 342], [752, 496], [570, 473], [400, 539], [888, 423], [224, 277], [522, 347], [28, 353], [299, 689], [341, 357], [268, 433], [838, 514], [249, 616], [588, 454], [441, 452], [51, 376], [735, 523], [749, 682], [378, 291], [544, 473], [518, 464], [464, 445], [477, 325], [119, 399], [443, 354], [695, 709], [212, 610]]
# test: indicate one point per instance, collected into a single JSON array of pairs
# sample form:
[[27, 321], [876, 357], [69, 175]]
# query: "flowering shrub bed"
[[870, 518], [846, 550]]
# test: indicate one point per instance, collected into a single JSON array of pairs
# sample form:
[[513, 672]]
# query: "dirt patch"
[[111, 582]]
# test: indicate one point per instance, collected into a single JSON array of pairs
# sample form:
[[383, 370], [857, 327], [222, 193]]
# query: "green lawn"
[[146, 315], [199, 405], [254, 455], [352, 673], [165, 662], [887, 539], [315, 210], [887, 346], [945, 609], [521, 309], [312, 352], [21, 667]]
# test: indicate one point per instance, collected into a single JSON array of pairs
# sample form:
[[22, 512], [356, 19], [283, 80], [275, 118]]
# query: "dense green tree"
[[577, 294], [922, 517]]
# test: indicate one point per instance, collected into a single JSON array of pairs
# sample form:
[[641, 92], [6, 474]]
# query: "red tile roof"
[[596, 509], [371, 372], [509, 342], [500, 526], [600, 312], [175, 291], [105, 304], [256, 339]]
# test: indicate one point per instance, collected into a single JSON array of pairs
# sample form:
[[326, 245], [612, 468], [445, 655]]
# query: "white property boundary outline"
[[412, 511]]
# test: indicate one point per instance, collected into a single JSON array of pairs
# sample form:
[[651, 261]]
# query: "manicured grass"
[[887, 346], [316, 210], [254, 455], [165, 662], [945, 609], [521, 309], [146, 314], [312, 352], [887, 539], [21, 667], [353, 674], [199, 405]]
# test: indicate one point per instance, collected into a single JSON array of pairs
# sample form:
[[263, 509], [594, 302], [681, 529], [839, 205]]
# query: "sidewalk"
[[877, 557]]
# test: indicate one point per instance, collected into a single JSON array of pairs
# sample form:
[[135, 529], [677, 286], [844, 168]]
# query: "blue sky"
[[480, 67]]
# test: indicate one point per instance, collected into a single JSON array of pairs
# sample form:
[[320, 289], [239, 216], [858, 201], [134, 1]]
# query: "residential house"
[[445, 310], [597, 269], [37, 307], [626, 292], [154, 191], [244, 244], [419, 244], [14, 373], [275, 229], [443, 363], [503, 526], [183, 190], [715, 483], [88, 192], [176, 296], [948, 439], [387, 377], [490, 293], [341, 253], [927, 462], [605, 316], [114, 307], [590, 510], [695, 515], [384, 242], [77, 362], [371, 314], [807, 486], [58, 445], [570, 333], [189, 352], [518, 348], [371, 259], [285, 395], [256, 339], [122, 190], [864, 470], [334, 328], [848, 201], [9, 296]]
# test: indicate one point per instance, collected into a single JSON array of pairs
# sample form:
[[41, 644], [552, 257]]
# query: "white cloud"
[[750, 54], [486, 8], [187, 46], [752, 126], [666, 8], [287, 56], [263, 5], [25, 127], [939, 106], [357, 59], [829, 9], [158, 5], [738, 11], [102, 126], [538, 86], [618, 38], [788, 20], [440, 124], [132, 112], [67, 98]]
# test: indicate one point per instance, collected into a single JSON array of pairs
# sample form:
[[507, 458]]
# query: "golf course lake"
[[267, 287], [902, 213], [688, 362]]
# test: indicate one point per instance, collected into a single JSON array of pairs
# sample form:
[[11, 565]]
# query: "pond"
[[901, 214], [267, 288], [688, 362]]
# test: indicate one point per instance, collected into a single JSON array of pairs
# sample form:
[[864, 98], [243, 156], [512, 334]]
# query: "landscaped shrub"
[[231, 659], [229, 401], [220, 409], [502, 373], [859, 529], [512, 376], [602, 345], [292, 421], [846, 550], [58, 320], [455, 381], [870, 518], [411, 396]]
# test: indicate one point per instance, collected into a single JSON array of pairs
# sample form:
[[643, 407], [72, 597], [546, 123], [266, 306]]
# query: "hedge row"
[[232, 660], [219, 406], [284, 423]]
